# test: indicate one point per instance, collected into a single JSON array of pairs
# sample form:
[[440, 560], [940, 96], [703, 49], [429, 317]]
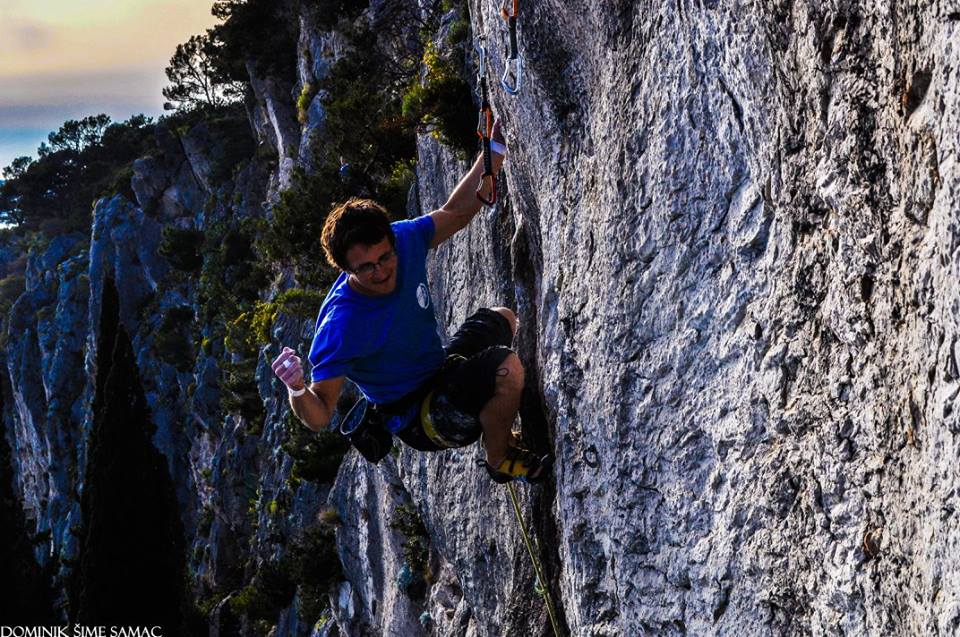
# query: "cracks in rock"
[[522, 263], [737, 109], [829, 40], [723, 598], [917, 90]]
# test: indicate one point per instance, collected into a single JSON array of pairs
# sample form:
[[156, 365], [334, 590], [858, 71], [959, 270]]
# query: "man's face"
[[373, 269]]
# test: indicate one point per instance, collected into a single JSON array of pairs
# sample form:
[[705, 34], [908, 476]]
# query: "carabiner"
[[487, 188], [482, 65], [513, 65]]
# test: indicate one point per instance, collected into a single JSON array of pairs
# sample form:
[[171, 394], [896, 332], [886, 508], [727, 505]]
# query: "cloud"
[[22, 37], [31, 37]]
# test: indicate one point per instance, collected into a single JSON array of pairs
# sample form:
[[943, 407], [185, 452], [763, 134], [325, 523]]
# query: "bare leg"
[[498, 414], [508, 314]]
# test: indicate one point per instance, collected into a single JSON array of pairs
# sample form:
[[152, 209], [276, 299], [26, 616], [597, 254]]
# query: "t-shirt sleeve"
[[329, 356], [419, 232]]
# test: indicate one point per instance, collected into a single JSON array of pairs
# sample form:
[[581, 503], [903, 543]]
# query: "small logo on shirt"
[[423, 296]]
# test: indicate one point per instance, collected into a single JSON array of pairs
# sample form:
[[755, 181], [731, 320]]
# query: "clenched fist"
[[288, 369]]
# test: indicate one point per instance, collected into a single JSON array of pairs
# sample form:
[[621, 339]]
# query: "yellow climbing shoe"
[[520, 464]]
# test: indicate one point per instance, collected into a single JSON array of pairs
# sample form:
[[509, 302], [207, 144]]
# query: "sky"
[[66, 59]]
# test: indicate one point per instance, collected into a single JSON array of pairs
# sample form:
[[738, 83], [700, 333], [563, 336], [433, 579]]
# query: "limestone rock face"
[[731, 232], [275, 120], [47, 327]]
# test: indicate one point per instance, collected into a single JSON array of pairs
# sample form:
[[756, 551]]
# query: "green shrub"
[[239, 392], [315, 566], [182, 248], [234, 142], [299, 302], [401, 177], [172, 338], [307, 93], [459, 32], [205, 521], [330, 12], [416, 549], [270, 591], [251, 329], [83, 160], [443, 102], [11, 287], [232, 275], [258, 31], [292, 238], [316, 456], [119, 182]]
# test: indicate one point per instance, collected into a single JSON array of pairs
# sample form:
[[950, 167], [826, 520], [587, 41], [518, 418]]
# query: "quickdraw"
[[513, 66], [487, 189]]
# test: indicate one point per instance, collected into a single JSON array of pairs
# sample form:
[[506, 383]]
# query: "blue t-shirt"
[[387, 345]]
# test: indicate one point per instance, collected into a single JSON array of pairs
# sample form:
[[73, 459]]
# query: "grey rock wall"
[[740, 220], [47, 325], [729, 231]]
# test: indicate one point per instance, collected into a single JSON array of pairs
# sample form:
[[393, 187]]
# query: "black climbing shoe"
[[520, 464]]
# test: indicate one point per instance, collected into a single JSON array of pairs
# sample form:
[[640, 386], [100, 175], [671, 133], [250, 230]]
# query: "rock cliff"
[[729, 230]]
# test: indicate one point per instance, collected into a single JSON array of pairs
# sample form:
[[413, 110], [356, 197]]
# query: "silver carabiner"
[[513, 65], [482, 66], [512, 73]]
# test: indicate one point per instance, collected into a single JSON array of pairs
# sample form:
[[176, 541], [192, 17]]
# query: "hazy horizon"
[[61, 60]]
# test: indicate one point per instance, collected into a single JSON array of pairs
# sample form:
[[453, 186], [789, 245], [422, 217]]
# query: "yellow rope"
[[542, 586]]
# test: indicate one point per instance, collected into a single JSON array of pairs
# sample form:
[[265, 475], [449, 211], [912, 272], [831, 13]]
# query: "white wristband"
[[498, 148], [297, 392]]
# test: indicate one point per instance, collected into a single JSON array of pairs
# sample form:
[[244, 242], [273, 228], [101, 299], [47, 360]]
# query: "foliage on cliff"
[[83, 160]]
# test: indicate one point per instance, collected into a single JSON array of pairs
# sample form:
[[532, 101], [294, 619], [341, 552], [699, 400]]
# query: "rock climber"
[[377, 328]]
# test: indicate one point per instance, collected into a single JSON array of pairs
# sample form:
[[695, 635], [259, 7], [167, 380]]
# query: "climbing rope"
[[513, 65], [488, 181], [542, 588]]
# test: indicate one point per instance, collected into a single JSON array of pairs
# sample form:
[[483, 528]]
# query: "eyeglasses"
[[369, 268]]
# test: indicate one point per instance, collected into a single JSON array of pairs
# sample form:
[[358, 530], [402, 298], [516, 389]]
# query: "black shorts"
[[465, 383]]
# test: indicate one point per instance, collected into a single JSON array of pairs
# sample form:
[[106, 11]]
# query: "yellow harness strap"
[[429, 428]]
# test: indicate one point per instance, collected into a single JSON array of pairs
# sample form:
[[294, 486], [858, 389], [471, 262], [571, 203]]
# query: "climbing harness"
[[542, 587], [429, 428], [513, 65], [487, 188]]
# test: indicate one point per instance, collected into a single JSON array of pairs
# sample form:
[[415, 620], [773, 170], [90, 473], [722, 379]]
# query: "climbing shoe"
[[520, 464]]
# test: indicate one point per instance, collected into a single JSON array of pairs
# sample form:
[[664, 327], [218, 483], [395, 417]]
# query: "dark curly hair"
[[354, 221]]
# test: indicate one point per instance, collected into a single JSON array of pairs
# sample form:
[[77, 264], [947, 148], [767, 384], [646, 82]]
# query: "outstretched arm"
[[313, 405], [463, 204]]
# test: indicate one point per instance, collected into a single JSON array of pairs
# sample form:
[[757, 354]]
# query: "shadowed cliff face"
[[131, 556], [25, 595]]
